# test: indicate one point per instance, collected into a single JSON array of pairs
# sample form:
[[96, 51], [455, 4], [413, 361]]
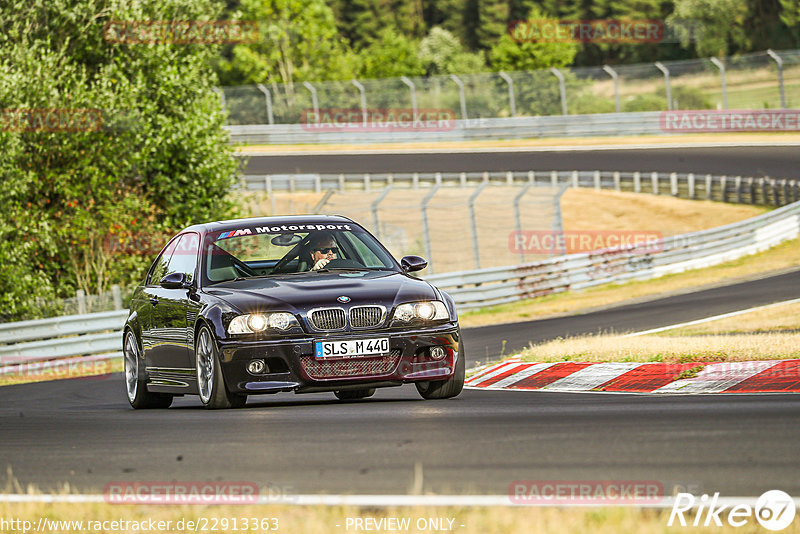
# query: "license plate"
[[352, 348]]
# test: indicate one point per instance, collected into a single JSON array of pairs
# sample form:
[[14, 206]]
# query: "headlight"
[[258, 322], [432, 310]]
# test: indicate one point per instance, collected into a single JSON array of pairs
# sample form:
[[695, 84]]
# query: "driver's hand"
[[320, 264]]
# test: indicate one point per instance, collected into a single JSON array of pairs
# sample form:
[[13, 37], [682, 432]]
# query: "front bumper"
[[292, 366]]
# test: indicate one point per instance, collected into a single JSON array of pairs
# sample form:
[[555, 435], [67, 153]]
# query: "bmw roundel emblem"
[[343, 299]]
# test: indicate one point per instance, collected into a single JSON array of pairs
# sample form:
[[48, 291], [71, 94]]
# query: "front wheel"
[[445, 389], [210, 384], [136, 382]]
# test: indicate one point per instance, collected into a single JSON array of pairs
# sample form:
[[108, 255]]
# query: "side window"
[[184, 258], [159, 268]]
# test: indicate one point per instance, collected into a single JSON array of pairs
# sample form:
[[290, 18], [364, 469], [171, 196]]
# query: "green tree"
[[511, 54], [442, 53], [391, 55], [148, 157], [722, 22]]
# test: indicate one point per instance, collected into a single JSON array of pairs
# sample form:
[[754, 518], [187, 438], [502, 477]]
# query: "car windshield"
[[281, 249]]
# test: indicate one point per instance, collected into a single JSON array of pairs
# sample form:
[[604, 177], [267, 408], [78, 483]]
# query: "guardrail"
[[61, 337], [738, 189], [100, 333], [487, 287], [596, 124]]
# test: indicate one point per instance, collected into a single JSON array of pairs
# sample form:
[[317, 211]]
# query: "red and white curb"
[[773, 376]]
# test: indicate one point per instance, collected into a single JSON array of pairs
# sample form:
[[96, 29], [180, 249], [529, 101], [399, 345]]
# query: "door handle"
[[153, 300]]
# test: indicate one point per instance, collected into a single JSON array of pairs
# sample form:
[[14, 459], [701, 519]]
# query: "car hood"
[[300, 293]]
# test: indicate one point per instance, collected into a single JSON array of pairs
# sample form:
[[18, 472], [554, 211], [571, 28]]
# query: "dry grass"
[[667, 349], [781, 257], [772, 319], [324, 520], [587, 209], [688, 139]]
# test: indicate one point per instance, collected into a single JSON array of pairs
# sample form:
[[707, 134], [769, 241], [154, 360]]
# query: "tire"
[[354, 394], [136, 381], [210, 385], [445, 389]]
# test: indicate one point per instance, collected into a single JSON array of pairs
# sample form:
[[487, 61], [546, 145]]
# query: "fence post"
[[660, 66], [413, 90], [721, 66], [654, 182], [562, 88], [511, 99], [367, 182], [617, 185], [81, 296], [558, 223], [438, 178], [476, 251], [509, 177], [575, 182], [690, 179], [116, 294], [322, 202], [554, 178], [317, 183], [314, 101], [415, 181], [637, 182], [532, 177], [738, 186], [363, 96], [597, 180], [779, 61], [673, 184], [374, 208], [708, 187], [723, 181], [268, 98], [518, 218], [461, 95], [425, 231], [462, 178], [611, 72], [341, 182]]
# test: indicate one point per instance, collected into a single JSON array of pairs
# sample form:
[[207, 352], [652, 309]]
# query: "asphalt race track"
[[773, 161], [83, 432]]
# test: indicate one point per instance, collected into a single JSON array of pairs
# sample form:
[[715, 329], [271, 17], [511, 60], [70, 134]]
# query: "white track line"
[[709, 319]]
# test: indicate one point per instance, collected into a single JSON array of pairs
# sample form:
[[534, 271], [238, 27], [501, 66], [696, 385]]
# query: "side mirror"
[[413, 263], [174, 281]]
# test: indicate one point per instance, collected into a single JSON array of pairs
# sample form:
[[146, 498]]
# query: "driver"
[[323, 249]]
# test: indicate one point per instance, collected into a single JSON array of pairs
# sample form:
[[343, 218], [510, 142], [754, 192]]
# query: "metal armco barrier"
[[100, 333], [598, 124]]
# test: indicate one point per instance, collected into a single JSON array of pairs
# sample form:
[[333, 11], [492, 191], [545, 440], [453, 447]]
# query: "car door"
[[151, 324], [171, 351]]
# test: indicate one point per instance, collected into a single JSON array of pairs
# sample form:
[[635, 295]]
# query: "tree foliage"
[[154, 157]]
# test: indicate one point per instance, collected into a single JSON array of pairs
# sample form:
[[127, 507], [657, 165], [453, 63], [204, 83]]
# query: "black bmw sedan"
[[305, 304]]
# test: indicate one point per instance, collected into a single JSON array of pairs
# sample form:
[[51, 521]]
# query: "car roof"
[[221, 226]]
